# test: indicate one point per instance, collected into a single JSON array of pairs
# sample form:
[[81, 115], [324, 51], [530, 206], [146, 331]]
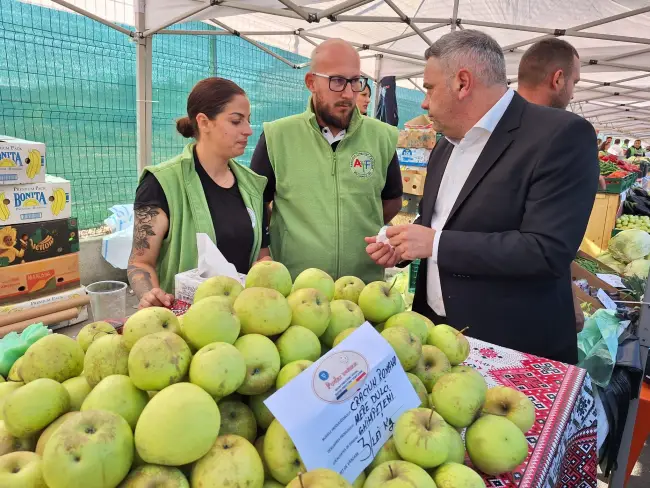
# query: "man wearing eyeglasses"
[[333, 175]]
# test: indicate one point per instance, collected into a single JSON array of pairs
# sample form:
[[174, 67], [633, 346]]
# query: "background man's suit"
[[505, 251]]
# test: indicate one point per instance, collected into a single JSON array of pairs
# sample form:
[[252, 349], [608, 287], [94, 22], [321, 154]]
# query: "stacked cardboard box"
[[39, 239]]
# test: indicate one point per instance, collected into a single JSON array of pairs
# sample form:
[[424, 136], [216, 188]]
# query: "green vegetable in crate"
[[588, 264], [641, 222], [607, 168], [638, 268], [608, 260], [630, 245]]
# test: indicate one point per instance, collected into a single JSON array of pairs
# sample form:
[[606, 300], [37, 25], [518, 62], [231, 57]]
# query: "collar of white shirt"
[[331, 138], [490, 120]]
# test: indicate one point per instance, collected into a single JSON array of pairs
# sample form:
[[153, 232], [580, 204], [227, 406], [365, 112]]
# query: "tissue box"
[[32, 241], [35, 202], [21, 161], [186, 283], [39, 278], [417, 138], [413, 157], [46, 300]]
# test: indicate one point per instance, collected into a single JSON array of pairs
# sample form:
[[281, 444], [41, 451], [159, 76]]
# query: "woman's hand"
[[156, 297], [264, 255]]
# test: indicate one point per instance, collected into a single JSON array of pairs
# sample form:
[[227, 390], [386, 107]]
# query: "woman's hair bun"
[[185, 127]]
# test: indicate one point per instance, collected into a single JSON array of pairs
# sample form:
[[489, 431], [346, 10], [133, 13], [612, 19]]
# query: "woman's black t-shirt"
[[232, 223]]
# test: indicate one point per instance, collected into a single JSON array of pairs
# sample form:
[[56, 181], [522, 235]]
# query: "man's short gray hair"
[[473, 50]]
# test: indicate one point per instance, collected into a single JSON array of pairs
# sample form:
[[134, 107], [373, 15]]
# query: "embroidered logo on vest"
[[362, 164]]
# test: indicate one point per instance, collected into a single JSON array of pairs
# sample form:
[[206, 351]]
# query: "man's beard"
[[334, 121], [560, 100]]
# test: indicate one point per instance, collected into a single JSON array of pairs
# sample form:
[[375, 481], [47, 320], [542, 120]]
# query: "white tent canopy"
[[612, 37]]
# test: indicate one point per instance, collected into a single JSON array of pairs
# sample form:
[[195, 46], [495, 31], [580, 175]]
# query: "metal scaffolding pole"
[[144, 91], [340, 8], [299, 10], [379, 58], [369, 47], [408, 21], [179, 18], [409, 34], [96, 18]]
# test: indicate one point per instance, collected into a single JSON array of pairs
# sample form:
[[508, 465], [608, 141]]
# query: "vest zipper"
[[338, 212]]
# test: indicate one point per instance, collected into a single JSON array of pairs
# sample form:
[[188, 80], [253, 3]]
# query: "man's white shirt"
[[616, 150], [461, 162]]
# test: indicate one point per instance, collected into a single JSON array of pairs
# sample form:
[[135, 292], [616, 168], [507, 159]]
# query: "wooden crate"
[[413, 181], [601, 223]]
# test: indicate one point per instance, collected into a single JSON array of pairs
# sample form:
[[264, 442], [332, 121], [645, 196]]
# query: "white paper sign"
[[611, 279], [605, 299], [341, 410]]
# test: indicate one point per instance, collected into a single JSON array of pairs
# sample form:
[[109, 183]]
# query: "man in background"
[[635, 150], [626, 144], [363, 100], [616, 149]]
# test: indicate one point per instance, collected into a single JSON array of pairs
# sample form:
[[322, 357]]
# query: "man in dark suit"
[[507, 197]]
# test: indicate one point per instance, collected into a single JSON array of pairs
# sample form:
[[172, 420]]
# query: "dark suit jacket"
[[505, 252]]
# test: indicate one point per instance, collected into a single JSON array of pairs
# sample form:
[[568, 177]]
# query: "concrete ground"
[[640, 477]]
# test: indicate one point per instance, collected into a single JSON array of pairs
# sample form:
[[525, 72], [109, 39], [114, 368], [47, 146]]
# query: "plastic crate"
[[619, 185]]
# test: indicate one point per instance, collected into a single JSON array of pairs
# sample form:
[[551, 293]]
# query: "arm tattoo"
[[140, 280], [143, 228]]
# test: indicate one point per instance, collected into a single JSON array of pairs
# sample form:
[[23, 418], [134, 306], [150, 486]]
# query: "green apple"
[[342, 336], [237, 418], [262, 363], [78, 389], [259, 446], [422, 437], [379, 301], [281, 454], [263, 311], [450, 341], [178, 426], [148, 321], [290, 371], [270, 483], [150, 475], [399, 474], [219, 286], [9, 443], [344, 314], [93, 331], [348, 288], [50, 430], [512, 404], [232, 461], [5, 390], [159, 360], [270, 274], [324, 349], [210, 320], [420, 389], [93, 448], [456, 446], [360, 481], [263, 415], [457, 475], [495, 445], [21, 470], [311, 309], [30, 409], [117, 394], [412, 322], [406, 345], [297, 343], [107, 355], [470, 371], [14, 372], [55, 356], [319, 478], [427, 320], [315, 278], [459, 398], [432, 365], [219, 368], [388, 452]]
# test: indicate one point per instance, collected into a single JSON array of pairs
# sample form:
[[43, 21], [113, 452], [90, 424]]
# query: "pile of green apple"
[[178, 402]]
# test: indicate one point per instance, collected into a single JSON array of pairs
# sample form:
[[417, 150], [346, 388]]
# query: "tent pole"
[[340, 8], [96, 18], [261, 10], [454, 16], [615, 84], [179, 18], [417, 86], [408, 34], [144, 91], [408, 21], [379, 58], [368, 47], [370, 18], [223, 33], [297, 9], [629, 67]]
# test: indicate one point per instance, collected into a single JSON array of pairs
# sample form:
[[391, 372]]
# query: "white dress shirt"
[[616, 150], [461, 161]]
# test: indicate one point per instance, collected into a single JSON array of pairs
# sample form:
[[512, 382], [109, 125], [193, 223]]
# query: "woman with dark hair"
[[604, 148], [363, 100], [202, 190]]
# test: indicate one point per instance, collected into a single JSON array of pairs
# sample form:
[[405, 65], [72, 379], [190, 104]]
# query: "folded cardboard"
[[417, 157], [32, 241], [48, 299], [186, 283], [419, 122], [413, 181], [35, 202], [39, 278], [21, 161], [417, 138]]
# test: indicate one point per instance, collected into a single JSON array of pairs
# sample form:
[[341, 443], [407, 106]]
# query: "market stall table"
[[562, 443]]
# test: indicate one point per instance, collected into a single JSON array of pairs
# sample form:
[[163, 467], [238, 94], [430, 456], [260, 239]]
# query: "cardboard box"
[[417, 138], [35, 202], [413, 157], [186, 283], [39, 278], [32, 241], [21, 161], [413, 181], [46, 300]]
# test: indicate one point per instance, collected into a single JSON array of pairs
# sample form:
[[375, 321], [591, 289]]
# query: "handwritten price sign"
[[342, 409]]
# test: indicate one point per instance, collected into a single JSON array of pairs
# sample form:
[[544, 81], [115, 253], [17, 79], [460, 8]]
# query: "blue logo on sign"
[[323, 375]]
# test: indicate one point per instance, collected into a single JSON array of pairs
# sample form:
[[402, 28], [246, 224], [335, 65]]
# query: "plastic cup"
[[107, 300]]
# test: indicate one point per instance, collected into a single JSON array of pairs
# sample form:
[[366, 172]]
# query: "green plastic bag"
[[13, 345], [598, 345]]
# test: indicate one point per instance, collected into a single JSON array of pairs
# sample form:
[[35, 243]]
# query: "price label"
[[611, 279], [605, 299]]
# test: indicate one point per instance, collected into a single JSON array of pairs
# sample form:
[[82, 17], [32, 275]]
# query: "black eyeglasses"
[[338, 83]]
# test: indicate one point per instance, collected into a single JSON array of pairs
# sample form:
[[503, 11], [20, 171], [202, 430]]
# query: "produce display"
[[179, 402]]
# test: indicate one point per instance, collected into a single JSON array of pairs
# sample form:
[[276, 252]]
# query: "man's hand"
[[156, 297], [381, 253], [263, 258], [602, 184], [411, 241]]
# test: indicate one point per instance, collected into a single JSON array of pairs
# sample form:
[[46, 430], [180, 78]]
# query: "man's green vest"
[[327, 201], [637, 151], [189, 212]]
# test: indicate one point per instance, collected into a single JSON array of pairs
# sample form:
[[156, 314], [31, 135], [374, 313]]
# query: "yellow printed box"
[[35, 202], [21, 161], [39, 277]]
